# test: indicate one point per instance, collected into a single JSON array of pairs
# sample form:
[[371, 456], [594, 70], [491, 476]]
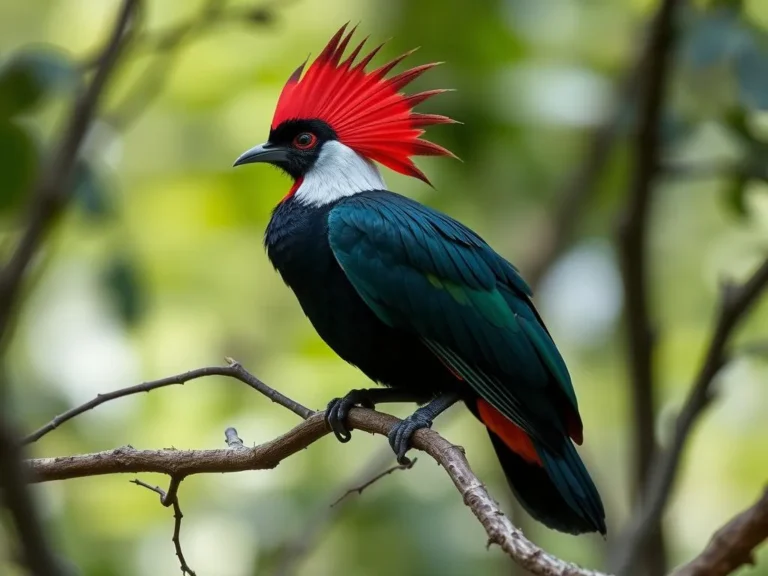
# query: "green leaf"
[[31, 75], [734, 195], [18, 163], [123, 283], [91, 193]]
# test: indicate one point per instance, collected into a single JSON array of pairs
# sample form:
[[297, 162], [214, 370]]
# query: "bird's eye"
[[305, 141]]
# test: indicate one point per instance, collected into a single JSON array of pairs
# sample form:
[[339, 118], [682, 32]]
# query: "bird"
[[414, 299]]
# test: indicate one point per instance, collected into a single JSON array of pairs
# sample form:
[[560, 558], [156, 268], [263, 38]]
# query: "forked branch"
[[733, 542], [179, 464]]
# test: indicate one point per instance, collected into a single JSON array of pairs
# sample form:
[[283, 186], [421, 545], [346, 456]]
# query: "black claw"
[[401, 433], [338, 409], [335, 423]]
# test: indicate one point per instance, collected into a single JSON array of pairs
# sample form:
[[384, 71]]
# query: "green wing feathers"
[[421, 271]]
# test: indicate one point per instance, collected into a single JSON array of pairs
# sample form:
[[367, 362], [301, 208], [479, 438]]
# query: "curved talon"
[[401, 433], [338, 409], [336, 424]]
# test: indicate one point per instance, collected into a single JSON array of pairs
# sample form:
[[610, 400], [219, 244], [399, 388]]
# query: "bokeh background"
[[158, 267]]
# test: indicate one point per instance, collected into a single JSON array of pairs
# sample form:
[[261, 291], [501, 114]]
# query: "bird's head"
[[341, 118]]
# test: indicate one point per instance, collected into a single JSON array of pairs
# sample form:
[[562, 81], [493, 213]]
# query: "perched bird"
[[417, 301]]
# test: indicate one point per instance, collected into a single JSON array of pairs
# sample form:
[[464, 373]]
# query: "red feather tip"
[[365, 109]]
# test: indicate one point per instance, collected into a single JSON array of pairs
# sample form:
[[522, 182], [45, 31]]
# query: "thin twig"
[[171, 498], [155, 489], [732, 545], [633, 233], [298, 547], [177, 516], [359, 489], [735, 303], [234, 370]]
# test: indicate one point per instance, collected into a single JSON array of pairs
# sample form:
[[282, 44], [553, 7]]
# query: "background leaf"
[[31, 75], [124, 287], [91, 193], [18, 163]]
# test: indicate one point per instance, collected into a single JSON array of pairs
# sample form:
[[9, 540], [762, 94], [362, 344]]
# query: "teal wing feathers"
[[421, 271]]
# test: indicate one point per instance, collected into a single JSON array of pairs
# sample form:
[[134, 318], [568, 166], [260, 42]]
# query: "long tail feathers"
[[554, 488]]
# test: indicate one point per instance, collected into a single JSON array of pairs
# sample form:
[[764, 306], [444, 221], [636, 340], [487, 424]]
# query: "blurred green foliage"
[[158, 267]]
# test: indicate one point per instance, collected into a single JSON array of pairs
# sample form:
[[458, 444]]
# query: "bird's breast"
[[297, 244], [298, 247]]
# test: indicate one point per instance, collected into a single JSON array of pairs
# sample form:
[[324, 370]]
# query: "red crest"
[[366, 110]]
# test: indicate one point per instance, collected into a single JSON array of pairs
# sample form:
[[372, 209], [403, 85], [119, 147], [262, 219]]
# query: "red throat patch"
[[365, 109]]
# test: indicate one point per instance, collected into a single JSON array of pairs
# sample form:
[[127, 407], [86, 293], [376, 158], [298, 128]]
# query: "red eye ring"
[[305, 141]]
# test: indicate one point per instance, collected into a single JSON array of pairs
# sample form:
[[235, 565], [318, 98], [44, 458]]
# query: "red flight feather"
[[512, 435], [365, 109]]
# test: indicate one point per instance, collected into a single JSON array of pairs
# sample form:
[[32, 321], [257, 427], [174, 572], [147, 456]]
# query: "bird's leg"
[[338, 408], [400, 435]]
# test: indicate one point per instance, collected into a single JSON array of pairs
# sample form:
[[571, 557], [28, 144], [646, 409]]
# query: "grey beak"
[[262, 153]]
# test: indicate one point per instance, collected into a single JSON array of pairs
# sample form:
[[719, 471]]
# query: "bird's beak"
[[262, 153]]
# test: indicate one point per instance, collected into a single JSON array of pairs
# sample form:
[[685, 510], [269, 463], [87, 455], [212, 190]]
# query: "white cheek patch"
[[338, 172]]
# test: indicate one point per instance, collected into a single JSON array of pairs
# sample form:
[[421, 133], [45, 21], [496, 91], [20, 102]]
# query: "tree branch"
[[732, 545], [360, 486], [182, 463], [171, 498], [736, 301], [234, 370], [633, 231], [49, 195], [293, 551], [729, 542]]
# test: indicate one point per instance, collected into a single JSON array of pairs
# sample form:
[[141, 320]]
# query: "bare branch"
[[156, 489], [736, 302], [732, 545], [182, 463], [633, 232], [298, 547], [359, 489], [171, 498], [234, 370], [177, 516]]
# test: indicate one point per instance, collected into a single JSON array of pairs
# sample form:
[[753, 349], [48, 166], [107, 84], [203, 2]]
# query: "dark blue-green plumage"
[[418, 301]]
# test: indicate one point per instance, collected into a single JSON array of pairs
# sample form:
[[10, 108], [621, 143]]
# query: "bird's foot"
[[338, 409], [401, 433]]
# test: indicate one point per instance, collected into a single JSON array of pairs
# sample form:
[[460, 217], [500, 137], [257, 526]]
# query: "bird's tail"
[[554, 488]]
